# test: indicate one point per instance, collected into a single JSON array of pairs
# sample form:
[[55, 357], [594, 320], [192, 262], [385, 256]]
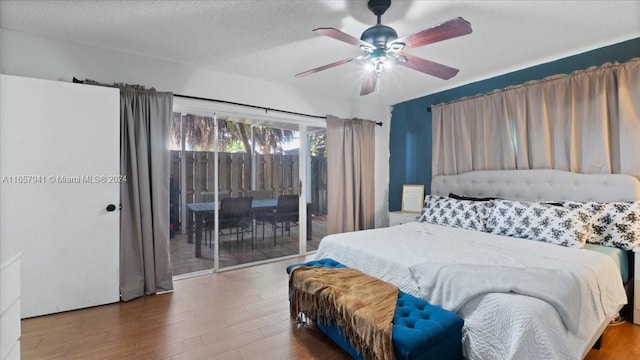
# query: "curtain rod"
[[549, 78], [266, 109], [75, 80], [249, 106]]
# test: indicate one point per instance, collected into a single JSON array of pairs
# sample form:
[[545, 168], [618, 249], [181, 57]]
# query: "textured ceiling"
[[273, 40]]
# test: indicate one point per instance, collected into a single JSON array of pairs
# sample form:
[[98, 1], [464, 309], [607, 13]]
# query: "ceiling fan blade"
[[344, 37], [328, 66], [369, 84], [447, 30], [428, 67]]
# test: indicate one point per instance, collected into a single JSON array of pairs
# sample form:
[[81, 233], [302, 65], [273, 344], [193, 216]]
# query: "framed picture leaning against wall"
[[412, 198]]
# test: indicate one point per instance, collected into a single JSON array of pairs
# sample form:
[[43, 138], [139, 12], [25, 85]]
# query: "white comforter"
[[498, 325]]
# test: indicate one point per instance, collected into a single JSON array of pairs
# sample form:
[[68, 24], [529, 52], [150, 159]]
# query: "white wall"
[[38, 57]]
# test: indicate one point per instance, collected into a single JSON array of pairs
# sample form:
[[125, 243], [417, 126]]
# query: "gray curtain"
[[586, 122], [350, 172], [145, 263]]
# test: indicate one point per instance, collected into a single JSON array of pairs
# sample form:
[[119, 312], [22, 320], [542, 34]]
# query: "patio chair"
[[234, 217], [284, 216], [209, 218]]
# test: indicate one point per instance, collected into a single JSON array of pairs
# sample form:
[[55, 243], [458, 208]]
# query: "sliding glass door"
[[316, 184], [260, 160], [191, 184], [244, 190]]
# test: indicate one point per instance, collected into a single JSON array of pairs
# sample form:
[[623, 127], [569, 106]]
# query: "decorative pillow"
[[535, 221], [615, 224], [456, 213]]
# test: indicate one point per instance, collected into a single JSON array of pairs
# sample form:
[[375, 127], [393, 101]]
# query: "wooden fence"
[[275, 173]]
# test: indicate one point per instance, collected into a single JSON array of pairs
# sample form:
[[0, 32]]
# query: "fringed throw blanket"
[[361, 305]]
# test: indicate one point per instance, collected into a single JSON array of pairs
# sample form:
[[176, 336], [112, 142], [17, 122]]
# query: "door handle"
[[111, 207]]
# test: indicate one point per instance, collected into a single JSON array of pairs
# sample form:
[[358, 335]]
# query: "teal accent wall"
[[410, 133]]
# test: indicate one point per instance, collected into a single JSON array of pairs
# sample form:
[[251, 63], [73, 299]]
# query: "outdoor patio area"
[[233, 252]]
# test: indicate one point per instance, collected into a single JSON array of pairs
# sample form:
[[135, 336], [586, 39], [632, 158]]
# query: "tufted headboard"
[[539, 185]]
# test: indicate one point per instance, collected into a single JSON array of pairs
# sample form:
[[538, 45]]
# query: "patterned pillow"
[[535, 221], [614, 224], [456, 213]]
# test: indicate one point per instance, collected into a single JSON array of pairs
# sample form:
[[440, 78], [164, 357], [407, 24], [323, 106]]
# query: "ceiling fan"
[[382, 46]]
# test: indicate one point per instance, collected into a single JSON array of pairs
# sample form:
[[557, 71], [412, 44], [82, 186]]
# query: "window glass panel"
[[198, 133], [317, 186], [176, 132]]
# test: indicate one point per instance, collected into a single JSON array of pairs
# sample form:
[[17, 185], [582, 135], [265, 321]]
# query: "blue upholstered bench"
[[420, 331]]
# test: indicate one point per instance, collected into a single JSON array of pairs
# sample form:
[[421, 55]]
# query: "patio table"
[[197, 211]]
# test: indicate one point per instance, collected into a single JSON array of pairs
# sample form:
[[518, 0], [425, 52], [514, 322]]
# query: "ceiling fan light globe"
[[378, 65], [395, 48], [367, 48]]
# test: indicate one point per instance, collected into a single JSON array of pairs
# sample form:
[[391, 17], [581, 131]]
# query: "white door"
[[59, 161]]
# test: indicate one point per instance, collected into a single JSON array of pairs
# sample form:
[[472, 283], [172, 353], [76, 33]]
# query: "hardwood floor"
[[241, 314], [620, 342]]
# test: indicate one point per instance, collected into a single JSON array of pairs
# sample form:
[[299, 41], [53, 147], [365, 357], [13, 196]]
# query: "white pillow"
[[535, 221], [614, 224], [462, 214]]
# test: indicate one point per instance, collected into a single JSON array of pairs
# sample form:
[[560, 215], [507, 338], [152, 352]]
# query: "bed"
[[433, 262]]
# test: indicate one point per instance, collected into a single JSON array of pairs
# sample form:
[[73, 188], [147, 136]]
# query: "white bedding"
[[501, 325]]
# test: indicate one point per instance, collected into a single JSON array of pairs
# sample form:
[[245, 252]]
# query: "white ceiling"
[[273, 40]]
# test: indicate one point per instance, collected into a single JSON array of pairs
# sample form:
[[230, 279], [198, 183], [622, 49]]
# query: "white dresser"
[[10, 309], [399, 217]]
